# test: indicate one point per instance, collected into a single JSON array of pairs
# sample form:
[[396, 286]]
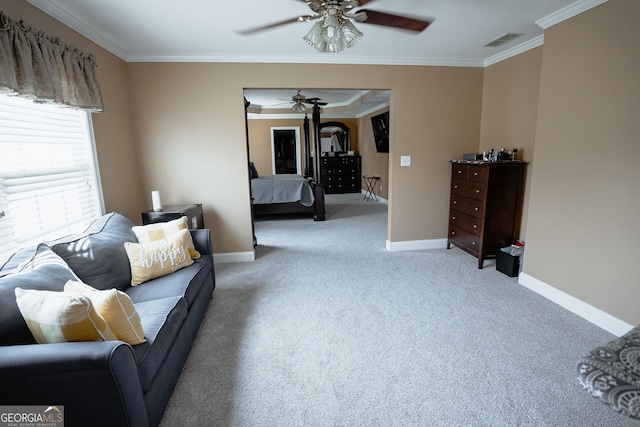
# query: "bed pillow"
[[115, 307], [61, 317], [158, 258], [253, 172], [161, 230]]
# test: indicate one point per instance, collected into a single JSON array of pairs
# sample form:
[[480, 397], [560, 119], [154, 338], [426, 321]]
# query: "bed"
[[287, 194]]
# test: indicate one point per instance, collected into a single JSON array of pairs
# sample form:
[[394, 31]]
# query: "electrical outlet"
[[405, 160], [380, 187]]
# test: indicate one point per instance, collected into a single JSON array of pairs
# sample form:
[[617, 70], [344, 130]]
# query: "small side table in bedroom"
[[371, 181]]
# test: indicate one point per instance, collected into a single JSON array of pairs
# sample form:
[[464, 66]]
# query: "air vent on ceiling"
[[505, 38]]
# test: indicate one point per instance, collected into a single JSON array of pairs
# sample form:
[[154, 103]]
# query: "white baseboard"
[[414, 245], [586, 311], [234, 257], [380, 199]]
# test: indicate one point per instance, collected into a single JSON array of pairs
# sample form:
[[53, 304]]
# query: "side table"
[[371, 182], [170, 212]]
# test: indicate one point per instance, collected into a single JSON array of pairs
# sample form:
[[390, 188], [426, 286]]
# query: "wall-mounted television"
[[380, 125]]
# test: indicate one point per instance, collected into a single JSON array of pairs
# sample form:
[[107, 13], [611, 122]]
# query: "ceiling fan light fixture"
[[298, 107], [314, 36], [351, 33], [332, 33]]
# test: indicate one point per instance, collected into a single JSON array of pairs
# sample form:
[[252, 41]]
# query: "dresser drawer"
[[350, 187], [465, 205], [339, 160], [478, 173], [459, 171], [466, 222], [340, 170], [470, 189], [464, 239]]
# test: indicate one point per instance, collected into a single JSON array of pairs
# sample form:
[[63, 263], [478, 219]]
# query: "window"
[[49, 184]]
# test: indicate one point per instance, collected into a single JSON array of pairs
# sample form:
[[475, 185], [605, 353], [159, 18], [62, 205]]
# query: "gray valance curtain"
[[43, 68]]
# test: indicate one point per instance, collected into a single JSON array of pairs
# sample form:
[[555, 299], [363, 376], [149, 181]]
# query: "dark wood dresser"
[[485, 207], [340, 174]]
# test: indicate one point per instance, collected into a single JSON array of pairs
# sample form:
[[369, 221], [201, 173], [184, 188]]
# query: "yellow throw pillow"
[[61, 317], [115, 307], [161, 230], [158, 258]]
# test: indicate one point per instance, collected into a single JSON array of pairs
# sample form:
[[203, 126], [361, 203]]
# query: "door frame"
[[298, 154]]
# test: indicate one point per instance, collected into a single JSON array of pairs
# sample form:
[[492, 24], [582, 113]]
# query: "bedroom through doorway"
[[281, 140]]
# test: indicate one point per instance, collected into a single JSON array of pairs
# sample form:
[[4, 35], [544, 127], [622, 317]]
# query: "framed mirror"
[[335, 137]]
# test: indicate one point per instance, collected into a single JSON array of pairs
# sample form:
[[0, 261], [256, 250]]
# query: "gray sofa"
[[102, 383]]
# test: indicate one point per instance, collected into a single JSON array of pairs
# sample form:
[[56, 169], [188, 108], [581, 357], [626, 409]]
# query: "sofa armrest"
[[96, 382], [202, 240]]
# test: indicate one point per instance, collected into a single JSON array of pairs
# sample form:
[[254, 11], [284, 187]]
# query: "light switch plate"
[[405, 160]]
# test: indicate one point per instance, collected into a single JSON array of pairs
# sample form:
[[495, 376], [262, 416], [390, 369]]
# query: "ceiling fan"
[[334, 28], [298, 100]]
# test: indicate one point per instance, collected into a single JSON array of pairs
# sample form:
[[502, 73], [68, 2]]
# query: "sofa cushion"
[[161, 320], [61, 317], [158, 258], [115, 307], [37, 267], [183, 283], [161, 230], [97, 255]]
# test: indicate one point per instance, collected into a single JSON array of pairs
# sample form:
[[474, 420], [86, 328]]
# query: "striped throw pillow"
[[115, 307], [61, 317], [161, 230]]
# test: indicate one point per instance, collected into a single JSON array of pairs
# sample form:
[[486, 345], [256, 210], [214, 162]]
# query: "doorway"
[[285, 150]]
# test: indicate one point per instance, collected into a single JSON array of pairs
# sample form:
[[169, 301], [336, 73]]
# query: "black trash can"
[[507, 263]]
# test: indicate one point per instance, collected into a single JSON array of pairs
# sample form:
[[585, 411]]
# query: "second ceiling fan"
[[334, 28], [300, 100]]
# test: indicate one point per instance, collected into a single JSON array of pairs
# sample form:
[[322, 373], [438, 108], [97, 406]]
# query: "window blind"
[[48, 181]]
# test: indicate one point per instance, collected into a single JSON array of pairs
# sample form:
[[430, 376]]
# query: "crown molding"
[[374, 109], [331, 59], [568, 12], [516, 50], [75, 24]]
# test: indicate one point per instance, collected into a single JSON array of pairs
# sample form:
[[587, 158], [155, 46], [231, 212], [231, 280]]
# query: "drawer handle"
[[455, 186], [453, 233], [459, 171], [477, 191], [476, 209], [475, 225], [475, 173], [453, 217], [455, 202], [473, 243]]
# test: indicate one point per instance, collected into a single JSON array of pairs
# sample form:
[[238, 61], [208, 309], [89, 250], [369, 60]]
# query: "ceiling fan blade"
[[396, 21], [303, 18]]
